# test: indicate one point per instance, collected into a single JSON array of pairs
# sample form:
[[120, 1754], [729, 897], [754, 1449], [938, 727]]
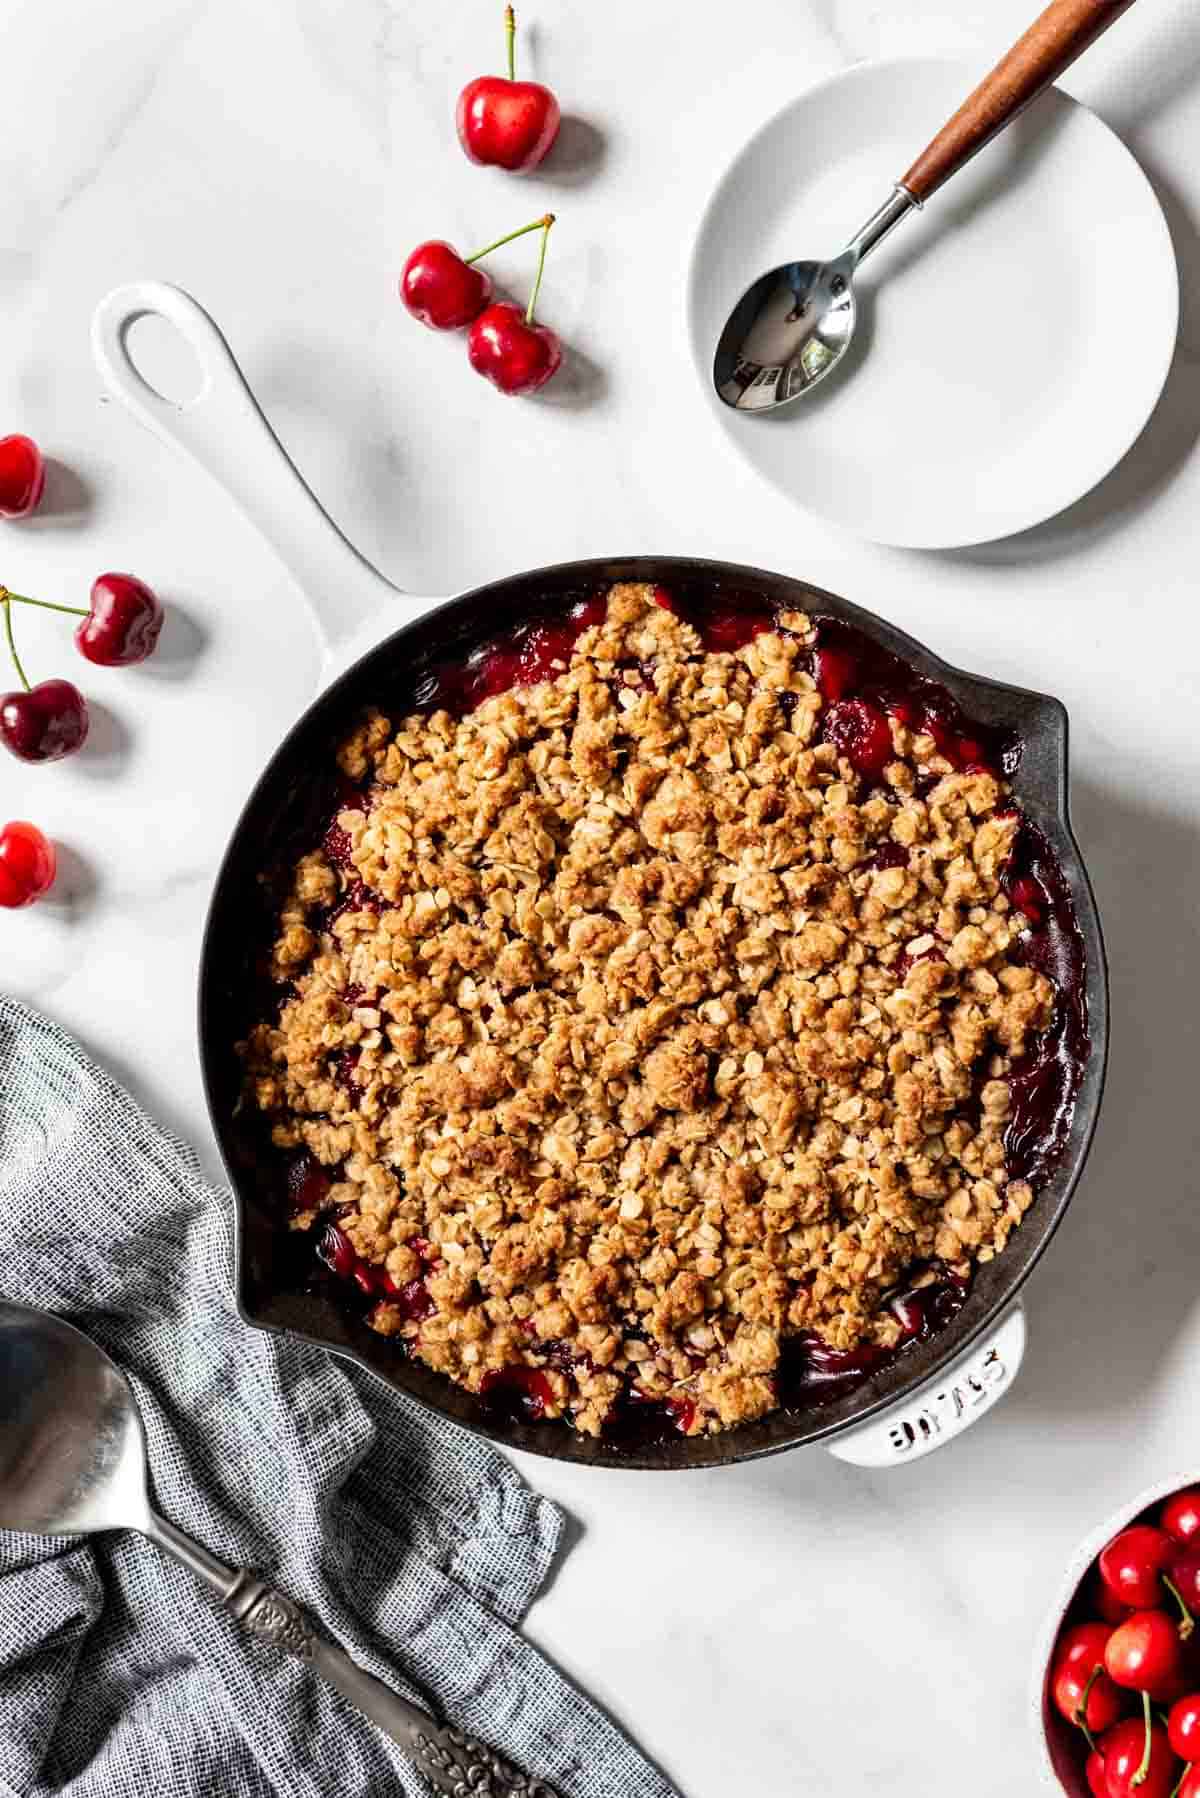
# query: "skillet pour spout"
[[282, 817]]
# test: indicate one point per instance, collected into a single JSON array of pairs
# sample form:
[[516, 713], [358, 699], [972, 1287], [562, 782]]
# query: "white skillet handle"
[[225, 431], [945, 1407]]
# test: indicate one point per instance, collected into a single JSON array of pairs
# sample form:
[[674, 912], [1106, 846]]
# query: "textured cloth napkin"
[[416, 1546]]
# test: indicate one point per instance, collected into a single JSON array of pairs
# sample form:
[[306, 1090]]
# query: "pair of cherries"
[[508, 124], [119, 626], [1140, 1645], [448, 292]]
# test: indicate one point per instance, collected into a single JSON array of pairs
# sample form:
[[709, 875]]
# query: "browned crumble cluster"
[[649, 1041]]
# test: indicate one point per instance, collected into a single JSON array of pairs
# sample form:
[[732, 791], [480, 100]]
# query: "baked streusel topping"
[[637, 1029]]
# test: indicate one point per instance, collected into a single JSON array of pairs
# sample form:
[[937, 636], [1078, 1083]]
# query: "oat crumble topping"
[[643, 1030]]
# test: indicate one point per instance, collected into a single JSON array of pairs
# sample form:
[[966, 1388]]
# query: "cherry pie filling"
[[864, 690]]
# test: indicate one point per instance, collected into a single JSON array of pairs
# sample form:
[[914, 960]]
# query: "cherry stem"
[[1139, 1777], [547, 218], [537, 281], [48, 605], [510, 41], [1175, 1793], [1187, 1622], [8, 632], [1081, 1713]]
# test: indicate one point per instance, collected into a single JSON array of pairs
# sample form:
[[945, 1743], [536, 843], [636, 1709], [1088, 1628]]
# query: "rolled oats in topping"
[[634, 1022]]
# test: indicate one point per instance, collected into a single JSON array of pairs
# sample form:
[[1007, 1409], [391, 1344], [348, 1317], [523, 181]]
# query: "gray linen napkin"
[[418, 1547]]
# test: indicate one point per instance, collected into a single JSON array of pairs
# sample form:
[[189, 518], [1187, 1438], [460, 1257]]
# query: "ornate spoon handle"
[[453, 1763]]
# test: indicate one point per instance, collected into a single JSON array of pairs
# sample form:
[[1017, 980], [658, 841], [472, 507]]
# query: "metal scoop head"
[[72, 1452]]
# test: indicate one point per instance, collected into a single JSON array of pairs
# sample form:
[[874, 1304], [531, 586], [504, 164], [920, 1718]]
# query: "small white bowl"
[[982, 405], [1056, 1742]]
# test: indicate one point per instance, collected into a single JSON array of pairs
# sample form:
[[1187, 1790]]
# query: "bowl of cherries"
[[1118, 1694]]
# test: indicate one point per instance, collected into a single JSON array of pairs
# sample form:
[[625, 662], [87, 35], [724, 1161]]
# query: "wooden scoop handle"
[[1065, 30]]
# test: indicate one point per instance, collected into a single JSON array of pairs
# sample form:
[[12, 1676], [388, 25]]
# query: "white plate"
[[1013, 337]]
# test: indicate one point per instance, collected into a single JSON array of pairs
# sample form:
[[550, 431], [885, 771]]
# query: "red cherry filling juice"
[[517, 1394], [307, 1183], [531, 652], [812, 1374], [865, 688], [639, 1421], [368, 1280], [1044, 1082]]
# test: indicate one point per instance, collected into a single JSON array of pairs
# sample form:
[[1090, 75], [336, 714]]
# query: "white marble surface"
[[793, 1625]]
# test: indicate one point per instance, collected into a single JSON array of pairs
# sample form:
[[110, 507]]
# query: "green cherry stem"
[[546, 220], [510, 41], [48, 605], [1139, 1778], [1182, 1777], [1187, 1622], [1081, 1713], [537, 283], [6, 599]]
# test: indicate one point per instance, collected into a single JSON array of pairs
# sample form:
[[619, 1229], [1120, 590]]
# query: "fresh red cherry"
[[445, 290], [1183, 1571], [1180, 1516], [22, 476], [1189, 1785], [1082, 1647], [42, 723], [1132, 1565], [508, 123], [1124, 1751], [1078, 1656], [510, 352], [440, 287], [1183, 1727], [1106, 1606], [123, 622], [45, 723], [860, 732], [1106, 1702], [27, 864], [1096, 1777], [506, 347], [1144, 1654]]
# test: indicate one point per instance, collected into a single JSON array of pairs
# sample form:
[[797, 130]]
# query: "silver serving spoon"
[[792, 327], [73, 1461]]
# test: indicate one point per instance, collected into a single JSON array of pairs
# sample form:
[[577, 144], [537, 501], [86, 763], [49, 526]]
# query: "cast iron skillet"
[[295, 795], [286, 812]]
